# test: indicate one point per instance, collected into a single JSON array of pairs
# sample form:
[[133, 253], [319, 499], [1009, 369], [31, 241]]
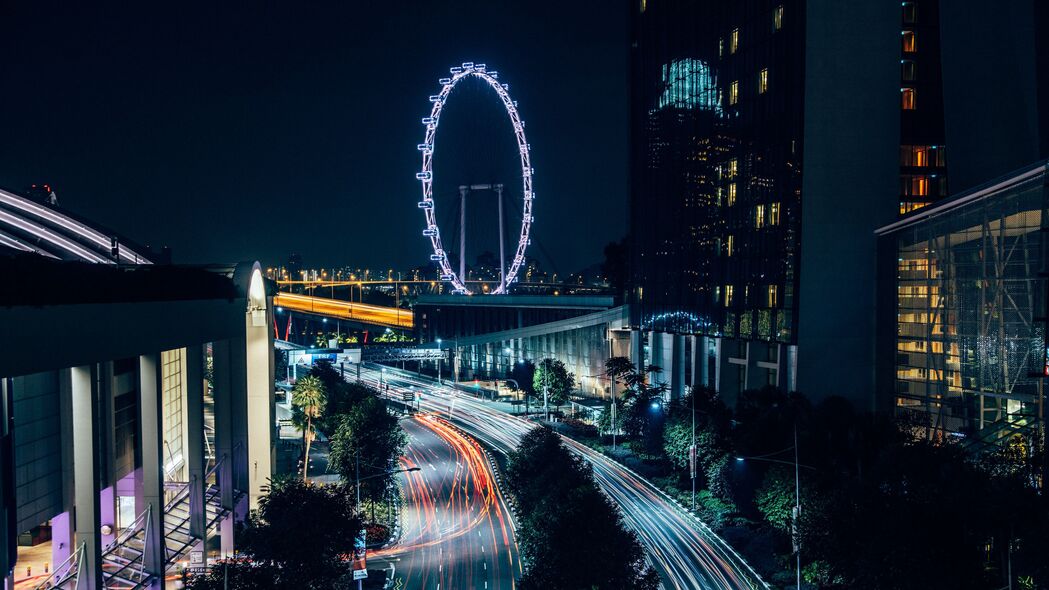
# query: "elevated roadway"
[[365, 313]]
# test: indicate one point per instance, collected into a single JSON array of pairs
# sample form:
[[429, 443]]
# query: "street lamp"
[[440, 361], [797, 490]]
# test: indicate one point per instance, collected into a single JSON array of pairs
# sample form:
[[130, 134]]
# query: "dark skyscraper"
[[765, 153], [772, 137]]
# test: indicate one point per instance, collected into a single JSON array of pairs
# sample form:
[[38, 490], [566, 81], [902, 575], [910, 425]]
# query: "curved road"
[[456, 531], [685, 552]]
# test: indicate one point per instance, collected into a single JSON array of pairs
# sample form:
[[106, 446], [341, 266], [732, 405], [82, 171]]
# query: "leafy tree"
[[370, 435], [523, 373], [553, 377], [775, 499], [308, 398], [304, 530], [541, 467], [572, 536], [617, 367]]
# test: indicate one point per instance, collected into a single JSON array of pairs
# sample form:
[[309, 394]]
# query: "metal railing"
[[66, 572]]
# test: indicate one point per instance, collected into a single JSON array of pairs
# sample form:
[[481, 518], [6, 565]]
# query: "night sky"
[[244, 132]]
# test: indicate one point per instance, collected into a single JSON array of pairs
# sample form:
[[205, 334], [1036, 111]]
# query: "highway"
[[684, 551], [456, 530], [362, 312]]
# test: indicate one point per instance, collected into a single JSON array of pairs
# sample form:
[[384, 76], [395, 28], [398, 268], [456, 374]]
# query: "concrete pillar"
[[108, 513], [151, 421], [756, 378], [705, 344], [260, 421], [222, 378], [655, 354], [63, 537], [84, 404], [678, 360], [193, 392], [636, 350]]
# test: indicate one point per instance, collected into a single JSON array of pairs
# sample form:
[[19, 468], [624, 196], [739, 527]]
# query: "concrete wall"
[[850, 182], [990, 76]]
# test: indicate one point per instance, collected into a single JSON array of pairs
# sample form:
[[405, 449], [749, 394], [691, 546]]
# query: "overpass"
[[366, 313]]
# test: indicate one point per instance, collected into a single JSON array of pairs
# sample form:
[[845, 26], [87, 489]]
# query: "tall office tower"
[[765, 151]]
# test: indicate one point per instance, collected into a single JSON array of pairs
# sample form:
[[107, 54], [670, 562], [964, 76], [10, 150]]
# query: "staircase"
[[123, 565]]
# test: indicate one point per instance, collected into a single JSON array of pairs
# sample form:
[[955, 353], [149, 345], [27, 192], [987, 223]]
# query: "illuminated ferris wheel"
[[507, 275]]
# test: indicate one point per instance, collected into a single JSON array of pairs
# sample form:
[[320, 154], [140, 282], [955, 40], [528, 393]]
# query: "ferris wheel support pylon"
[[507, 275]]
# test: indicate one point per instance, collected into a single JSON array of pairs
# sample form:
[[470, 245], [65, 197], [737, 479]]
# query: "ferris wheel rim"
[[459, 73]]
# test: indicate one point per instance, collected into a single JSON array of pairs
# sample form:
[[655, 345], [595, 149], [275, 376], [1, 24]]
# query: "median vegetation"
[[365, 439], [983, 517], [571, 535]]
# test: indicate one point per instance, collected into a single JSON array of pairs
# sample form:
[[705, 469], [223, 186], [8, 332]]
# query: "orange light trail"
[[362, 312]]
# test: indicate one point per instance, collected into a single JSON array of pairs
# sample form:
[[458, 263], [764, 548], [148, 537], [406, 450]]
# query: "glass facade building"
[[970, 290]]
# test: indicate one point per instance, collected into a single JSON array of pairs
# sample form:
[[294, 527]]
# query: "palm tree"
[[309, 398]]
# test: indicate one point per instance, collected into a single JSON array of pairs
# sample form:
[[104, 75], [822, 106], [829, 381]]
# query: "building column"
[[108, 514], [259, 403], [63, 537], [677, 379], [193, 396], [84, 405], [222, 379], [655, 356], [636, 351], [151, 414]]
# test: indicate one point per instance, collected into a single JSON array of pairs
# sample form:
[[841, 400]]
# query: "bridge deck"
[[361, 312]]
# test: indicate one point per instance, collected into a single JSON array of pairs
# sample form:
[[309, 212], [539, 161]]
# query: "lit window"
[[733, 92], [777, 18], [907, 207], [728, 295], [910, 12], [910, 42], [773, 295], [729, 243], [733, 42], [774, 214], [919, 155], [914, 186], [909, 69], [733, 167], [763, 80], [759, 216], [909, 101], [731, 194]]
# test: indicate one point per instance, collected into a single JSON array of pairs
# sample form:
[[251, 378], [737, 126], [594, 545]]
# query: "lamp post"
[[797, 492], [546, 388], [440, 361]]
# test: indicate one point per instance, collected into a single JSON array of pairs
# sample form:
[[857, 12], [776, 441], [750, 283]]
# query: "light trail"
[[361, 312], [686, 552], [457, 531]]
